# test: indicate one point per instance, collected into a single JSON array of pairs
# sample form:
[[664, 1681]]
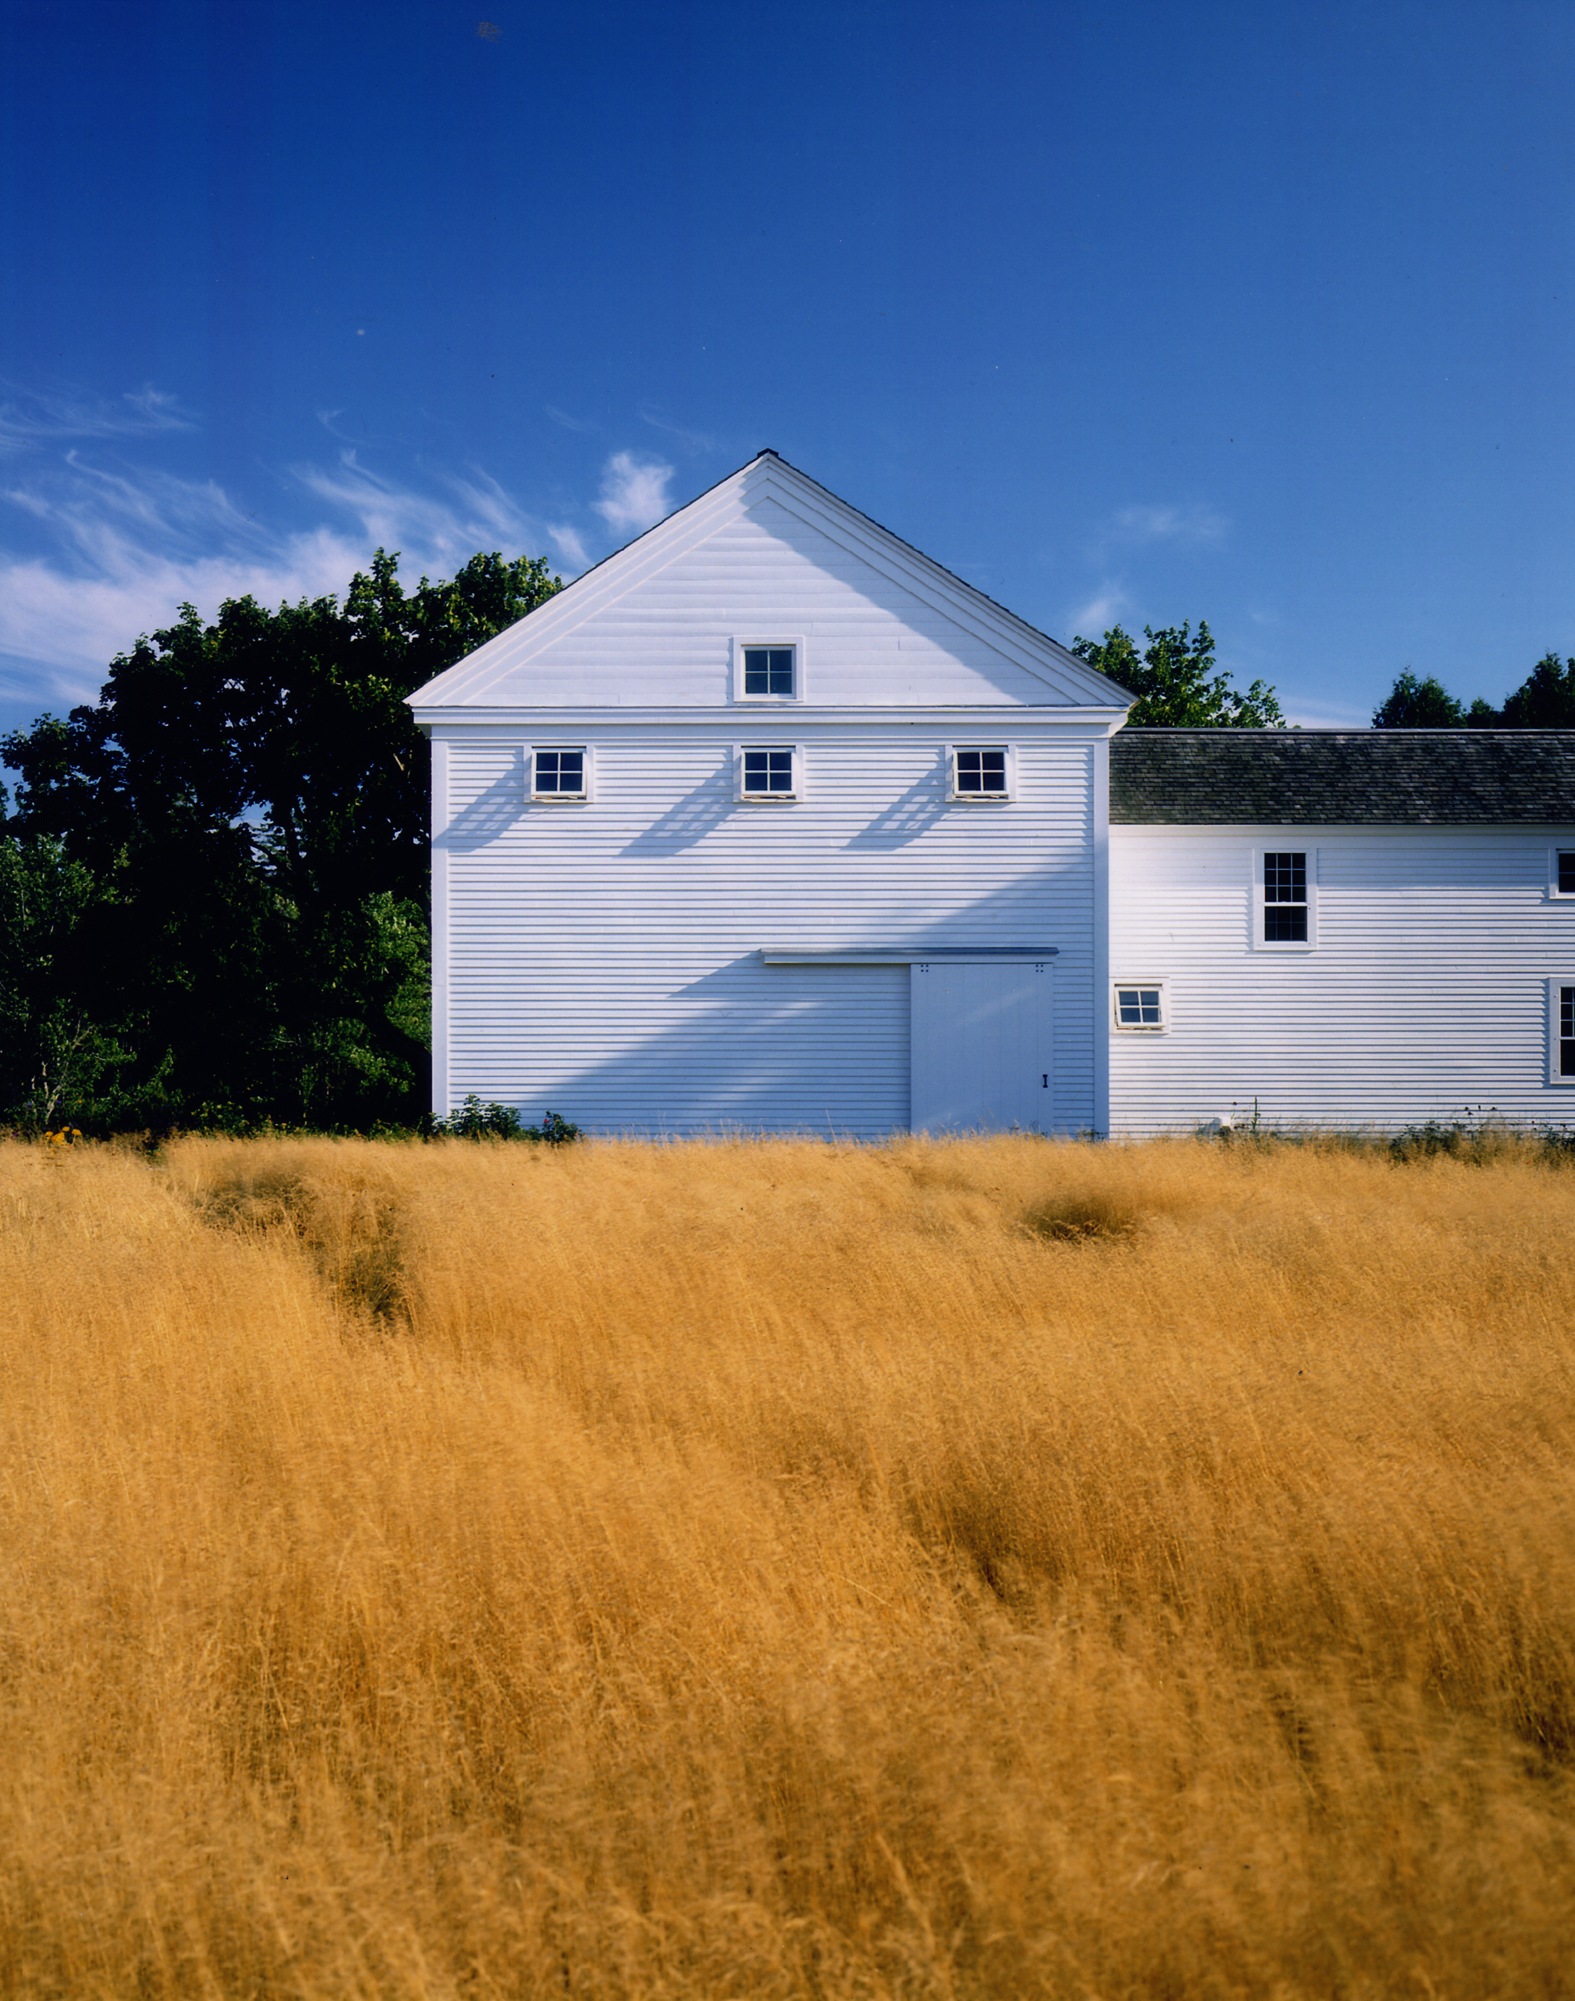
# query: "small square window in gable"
[[768, 670]]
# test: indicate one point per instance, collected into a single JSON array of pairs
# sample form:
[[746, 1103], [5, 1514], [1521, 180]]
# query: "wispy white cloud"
[[569, 423], [64, 616], [1193, 524], [62, 628], [103, 547], [433, 527], [30, 417], [634, 493], [1117, 545], [116, 548], [1107, 607], [571, 550], [158, 409], [691, 441]]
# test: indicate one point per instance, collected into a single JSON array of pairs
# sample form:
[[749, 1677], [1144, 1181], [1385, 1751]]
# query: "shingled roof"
[[1365, 778]]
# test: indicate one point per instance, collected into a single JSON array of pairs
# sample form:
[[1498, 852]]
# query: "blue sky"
[[1257, 313]]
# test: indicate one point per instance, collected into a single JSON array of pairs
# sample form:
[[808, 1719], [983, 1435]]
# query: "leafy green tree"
[[249, 799], [53, 1058], [1175, 681], [1545, 700], [1418, 705]]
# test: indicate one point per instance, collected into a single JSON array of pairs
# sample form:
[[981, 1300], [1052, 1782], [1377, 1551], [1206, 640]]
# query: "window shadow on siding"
[[491, 813], [907, 817], [697, 814]]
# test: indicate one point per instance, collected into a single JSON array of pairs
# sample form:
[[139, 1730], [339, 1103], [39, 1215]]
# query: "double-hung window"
[[981, 771], [1285, 900], [769, 773], [560, 775], [1561, 1029]]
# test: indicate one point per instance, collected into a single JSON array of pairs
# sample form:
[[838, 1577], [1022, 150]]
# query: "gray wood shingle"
[[1372, 778]]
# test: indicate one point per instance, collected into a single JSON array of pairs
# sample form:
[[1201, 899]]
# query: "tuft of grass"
[[783, 1570], [1075, 1218], [342, 1207]]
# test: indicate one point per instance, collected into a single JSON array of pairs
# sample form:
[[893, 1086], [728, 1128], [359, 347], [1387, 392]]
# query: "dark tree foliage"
[[50, 1046], [1418, 705], [221, 868], [1545, 700], [1175, 681]]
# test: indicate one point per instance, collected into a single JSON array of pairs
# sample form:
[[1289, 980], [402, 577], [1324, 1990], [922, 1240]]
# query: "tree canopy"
[[1176, 682], [1544, 700], [214, 884]]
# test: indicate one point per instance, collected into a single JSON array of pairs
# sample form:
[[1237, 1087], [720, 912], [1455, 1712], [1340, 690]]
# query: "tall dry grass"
[[775, 1570]]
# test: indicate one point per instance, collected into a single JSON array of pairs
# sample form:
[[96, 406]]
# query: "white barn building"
[[769, 822]]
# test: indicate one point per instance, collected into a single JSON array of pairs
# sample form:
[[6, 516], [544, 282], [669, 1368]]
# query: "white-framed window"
[[981, 771], [1139, 1007], [1285, 899], [1561, 872], [560, 774], [768, 670], [1561, 1029], [768, 774]]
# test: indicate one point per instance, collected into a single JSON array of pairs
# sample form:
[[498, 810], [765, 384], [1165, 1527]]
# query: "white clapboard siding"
[[1425, 996], [867, 638], [768, 555], [604, 960]]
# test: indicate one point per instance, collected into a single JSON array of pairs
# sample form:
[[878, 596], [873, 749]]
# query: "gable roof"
[[1371, 778], [767, 483]]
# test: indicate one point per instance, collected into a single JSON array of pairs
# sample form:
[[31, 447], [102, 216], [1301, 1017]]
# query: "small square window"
[[768, 670], [1140, 1006], [982, 771], [1284, 899], [1561, 872], [560, 774], [770, 772]]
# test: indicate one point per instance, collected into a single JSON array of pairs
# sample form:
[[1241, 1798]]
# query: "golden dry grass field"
[[985, 1569]]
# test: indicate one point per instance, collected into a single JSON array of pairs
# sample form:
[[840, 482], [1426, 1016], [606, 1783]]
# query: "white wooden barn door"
[[980, 1046]]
